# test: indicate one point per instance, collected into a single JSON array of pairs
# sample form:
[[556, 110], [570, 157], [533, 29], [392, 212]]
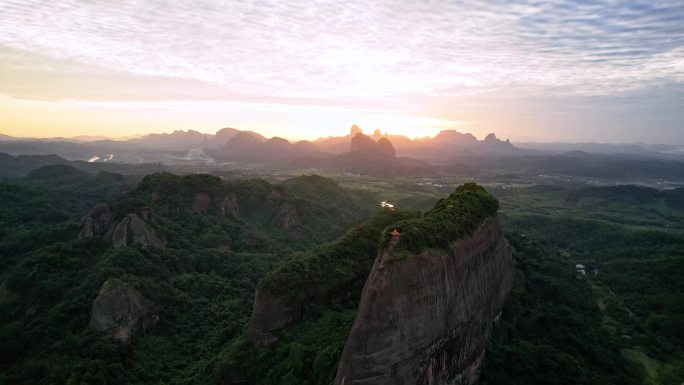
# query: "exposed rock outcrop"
[[120, 311], [133, 231], [426, 319], [287, 217], [201, 202], [270, 315], [229, 206], [96, 221]]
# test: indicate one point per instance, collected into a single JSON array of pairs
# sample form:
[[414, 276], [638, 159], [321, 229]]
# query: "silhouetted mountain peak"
[[226, 133], [277, 147], [176, 140], [246, 146], [452, 136], [385, 147], [362, 142], [491, 142], [366, 144], [278, 141], [355, 130]]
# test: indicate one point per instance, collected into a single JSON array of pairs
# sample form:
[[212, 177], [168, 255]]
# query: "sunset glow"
[[555, 71]]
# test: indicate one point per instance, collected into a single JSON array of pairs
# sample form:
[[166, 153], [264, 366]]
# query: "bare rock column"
[[119, 311]]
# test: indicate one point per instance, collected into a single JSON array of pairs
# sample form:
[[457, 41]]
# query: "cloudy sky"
[[547, 71]]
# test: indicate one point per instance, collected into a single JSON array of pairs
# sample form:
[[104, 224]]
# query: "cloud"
[[346, 51]]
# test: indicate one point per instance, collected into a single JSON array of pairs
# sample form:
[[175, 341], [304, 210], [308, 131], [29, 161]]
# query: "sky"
[[608, 71]]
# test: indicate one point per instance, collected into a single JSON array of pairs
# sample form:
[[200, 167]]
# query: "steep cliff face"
[[229, 206], [271, 314], [119, 311], [134, 232], [97, 220], [201, 202], [425, 319]]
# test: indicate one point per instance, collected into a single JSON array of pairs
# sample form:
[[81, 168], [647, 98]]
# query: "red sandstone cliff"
[[426, 319]]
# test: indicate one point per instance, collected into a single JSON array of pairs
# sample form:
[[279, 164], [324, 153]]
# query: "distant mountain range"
[[186, 140], [246, 146], [367, 156], [661, 151], [446, 144], [233, 145]]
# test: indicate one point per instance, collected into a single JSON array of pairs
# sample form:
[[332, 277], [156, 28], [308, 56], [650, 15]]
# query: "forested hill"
[[217, 239], [195, 246]]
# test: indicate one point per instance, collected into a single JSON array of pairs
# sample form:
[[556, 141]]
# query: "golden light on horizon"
[[301, 70], [122, 119]]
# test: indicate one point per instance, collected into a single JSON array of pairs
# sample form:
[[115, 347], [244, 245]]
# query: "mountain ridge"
[[234, 145]]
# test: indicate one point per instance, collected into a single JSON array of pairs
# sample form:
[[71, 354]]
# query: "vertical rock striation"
[[426, 319]]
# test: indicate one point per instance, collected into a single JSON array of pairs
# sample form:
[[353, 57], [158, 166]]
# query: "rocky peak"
[[119, 311], [362, 143], [426, 319], [355, 130], [242, 139], [96, 221], [176, 140], [222, 137], [385, 147], [365, 144], [229, 206], [278, 141], [133, 231], [455, 138], [492, 143]]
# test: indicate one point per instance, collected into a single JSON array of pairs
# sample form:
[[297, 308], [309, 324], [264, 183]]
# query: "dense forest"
[[617, 320]]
